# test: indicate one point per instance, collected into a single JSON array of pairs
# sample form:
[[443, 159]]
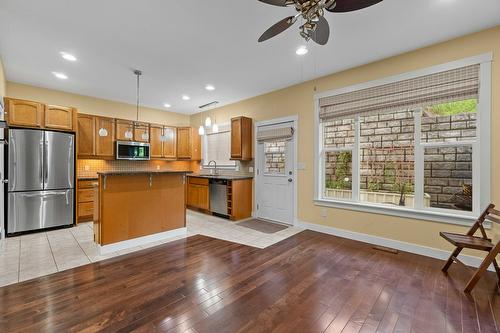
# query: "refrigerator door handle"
[[45, 162], [41, 148]]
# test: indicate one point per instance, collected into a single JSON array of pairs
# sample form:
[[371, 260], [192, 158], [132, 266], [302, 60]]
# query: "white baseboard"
[[105, 249], [386, 242]]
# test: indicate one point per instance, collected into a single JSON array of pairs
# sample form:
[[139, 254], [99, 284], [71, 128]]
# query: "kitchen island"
[[139, 207]]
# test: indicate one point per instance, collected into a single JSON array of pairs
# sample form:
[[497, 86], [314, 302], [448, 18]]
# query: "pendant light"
[[215, 127], [103, 132], [129, 134], [208, 122], [163, 137], [201, 129]]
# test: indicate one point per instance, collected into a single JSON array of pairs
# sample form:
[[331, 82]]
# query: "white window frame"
[[481, 165], [226, 127]]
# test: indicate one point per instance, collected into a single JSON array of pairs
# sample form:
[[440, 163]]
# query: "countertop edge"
[[223, 177], [123, 173]]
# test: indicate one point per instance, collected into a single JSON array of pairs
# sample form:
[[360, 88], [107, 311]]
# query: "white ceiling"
[[183, 45]]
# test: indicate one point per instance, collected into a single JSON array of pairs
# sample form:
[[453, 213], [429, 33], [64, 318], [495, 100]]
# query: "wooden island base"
[[137, 208]]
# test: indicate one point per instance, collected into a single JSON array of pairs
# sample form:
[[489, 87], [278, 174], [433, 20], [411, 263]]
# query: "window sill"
[[449, 218]]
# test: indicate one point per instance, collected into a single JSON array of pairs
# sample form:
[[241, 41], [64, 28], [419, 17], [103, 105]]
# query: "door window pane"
[[338, 175], [275, 157], [450, 122], [448, 178]]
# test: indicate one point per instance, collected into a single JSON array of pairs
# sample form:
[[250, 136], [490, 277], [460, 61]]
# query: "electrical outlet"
[[250, 169], [324, 213], [86, 168], [157, 167]]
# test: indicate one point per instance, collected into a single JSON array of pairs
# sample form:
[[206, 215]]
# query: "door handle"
[[290, 180]]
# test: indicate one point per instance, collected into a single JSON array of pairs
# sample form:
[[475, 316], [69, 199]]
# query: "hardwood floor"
[[310, 282]]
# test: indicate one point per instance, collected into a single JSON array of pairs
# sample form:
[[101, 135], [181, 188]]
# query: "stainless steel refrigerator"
[[41, 180]]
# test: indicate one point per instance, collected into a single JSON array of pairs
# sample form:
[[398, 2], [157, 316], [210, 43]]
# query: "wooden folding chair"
[[469, 241]]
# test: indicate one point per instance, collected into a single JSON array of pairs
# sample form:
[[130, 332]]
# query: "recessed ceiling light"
[[167, 105], [61, 76], [186, 97], [302, 51], [210, 87], [68, 56]]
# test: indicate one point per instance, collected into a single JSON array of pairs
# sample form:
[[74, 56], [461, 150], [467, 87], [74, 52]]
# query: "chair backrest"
[[493, 214], [489, 214]]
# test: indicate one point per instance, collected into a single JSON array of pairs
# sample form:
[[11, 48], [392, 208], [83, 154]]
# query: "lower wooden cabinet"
[[198, 193], [239, 196], [86, 200]]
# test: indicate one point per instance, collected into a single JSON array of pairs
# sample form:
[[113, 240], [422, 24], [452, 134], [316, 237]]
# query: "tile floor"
[[26, 257]]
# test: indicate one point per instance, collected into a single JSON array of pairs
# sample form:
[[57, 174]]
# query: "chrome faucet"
[[214, 170]]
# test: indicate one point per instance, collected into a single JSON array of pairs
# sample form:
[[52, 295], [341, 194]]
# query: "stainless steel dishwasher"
[[218, 196]]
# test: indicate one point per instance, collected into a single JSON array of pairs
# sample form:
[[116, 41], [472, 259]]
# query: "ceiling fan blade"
[[278, 28], [343, 6], [281, 3], [322, 32]]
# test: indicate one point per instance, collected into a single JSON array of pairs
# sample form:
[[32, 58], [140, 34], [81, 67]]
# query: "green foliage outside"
[[342, 179], [453, 108]]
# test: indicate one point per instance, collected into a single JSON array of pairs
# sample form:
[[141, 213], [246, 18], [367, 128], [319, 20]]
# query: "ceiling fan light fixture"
[[302, 50]]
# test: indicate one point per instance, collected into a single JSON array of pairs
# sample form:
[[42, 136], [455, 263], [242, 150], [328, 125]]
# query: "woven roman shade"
[[457, 84], [274, 134]]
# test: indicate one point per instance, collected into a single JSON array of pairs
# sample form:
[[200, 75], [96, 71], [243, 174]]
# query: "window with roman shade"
[[407, 145]]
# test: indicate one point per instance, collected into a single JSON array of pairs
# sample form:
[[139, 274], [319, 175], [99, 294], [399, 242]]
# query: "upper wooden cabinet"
[[30, 114], [141, 132], [96, 136], [59, 117], [241, 138], [24, 113], [156, 150], [86, 135], [188, 144], [122, 127], [104, 137], [170, 143]]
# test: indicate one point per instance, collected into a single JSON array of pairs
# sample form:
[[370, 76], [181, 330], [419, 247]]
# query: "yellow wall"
[[298, 100], [2, 79], [95, 106]]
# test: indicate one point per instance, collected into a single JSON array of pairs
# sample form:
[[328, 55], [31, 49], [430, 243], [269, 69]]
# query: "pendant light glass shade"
[[103, 132], [208, 122], [215, 128], [129, 134], [201, 130], [145, 136]]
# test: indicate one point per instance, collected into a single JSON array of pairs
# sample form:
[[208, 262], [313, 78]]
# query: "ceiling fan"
[[316, 27]]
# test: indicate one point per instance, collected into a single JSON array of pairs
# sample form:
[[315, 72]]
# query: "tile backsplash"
[[89, 168]]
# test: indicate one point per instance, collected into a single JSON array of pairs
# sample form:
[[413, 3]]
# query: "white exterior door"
[[276, 180]]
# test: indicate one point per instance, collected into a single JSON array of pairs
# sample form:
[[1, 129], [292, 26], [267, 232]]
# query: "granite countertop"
[[139, 172], [225, 177]]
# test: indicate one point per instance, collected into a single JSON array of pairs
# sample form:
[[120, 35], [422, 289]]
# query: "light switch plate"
[[87, 168], [301, 166]]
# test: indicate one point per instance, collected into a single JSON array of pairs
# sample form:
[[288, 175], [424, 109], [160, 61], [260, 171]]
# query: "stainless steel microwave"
[[134, 151]]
